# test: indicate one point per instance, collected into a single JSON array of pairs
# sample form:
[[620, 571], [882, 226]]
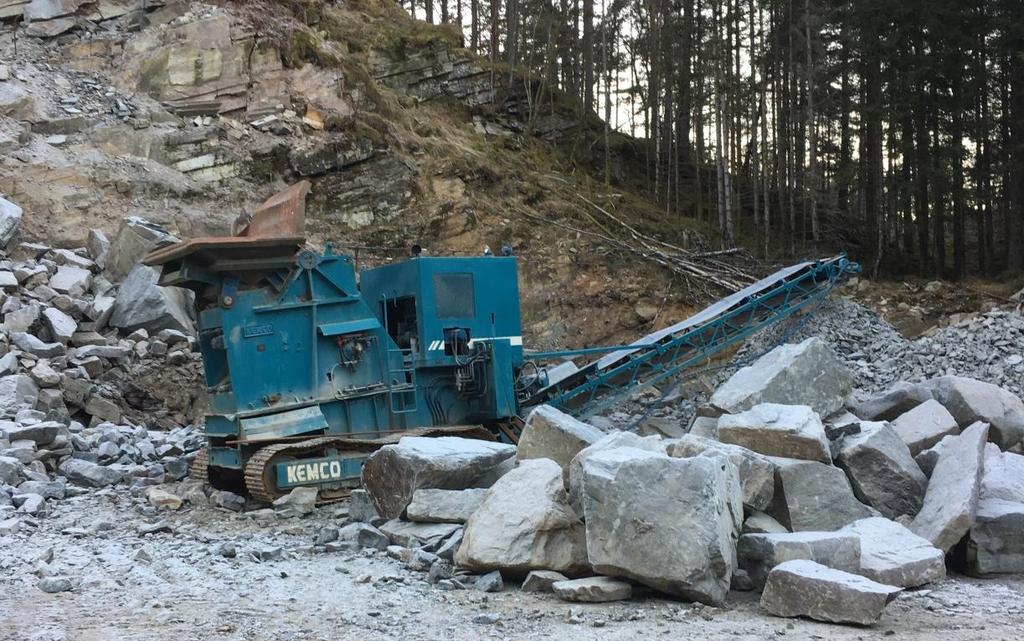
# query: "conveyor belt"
[[667, 352]]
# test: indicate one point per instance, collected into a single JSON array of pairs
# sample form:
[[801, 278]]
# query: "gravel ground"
[[174, 585]]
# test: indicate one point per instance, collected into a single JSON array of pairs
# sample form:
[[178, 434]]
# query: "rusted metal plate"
[[275, 231], [282, 215]]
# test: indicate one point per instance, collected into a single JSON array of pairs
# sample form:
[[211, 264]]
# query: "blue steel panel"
[[289, 423], [348, 327]]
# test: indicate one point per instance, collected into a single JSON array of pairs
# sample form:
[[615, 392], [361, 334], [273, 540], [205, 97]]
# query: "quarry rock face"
[[809, 589], [951, 502], [790, 431], [682, 541], [552, 434], [394, 472], [807, 373], [881, 470], [892, 554], [525, 523]]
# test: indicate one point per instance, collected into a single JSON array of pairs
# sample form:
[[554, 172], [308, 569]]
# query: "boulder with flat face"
[[525, 523], [668, 523], [807, 373], [757, 472], [611, 441], [394, 472], [594, 589], [809, 589], [143, 304], [890, 404], [969, 400], [759, 553], [431, 505], [883, 473], [924, 426], [790, 431], [88, 474], [996, 543], [892, 554], [951, 501], [812, 496], [552, 434], [1003, 478]]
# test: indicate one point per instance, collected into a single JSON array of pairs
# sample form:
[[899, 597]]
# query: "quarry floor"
[[174, 585]]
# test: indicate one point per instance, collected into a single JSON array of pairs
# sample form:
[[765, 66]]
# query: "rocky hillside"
[[188, 114]]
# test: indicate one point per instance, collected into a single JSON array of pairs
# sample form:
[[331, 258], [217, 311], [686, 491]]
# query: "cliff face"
[[190, 113]]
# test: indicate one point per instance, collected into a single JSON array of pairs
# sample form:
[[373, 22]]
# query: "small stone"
[[55, 584], [162, 499], [228, 500], [597, 589], [541, 580], [490, 582]]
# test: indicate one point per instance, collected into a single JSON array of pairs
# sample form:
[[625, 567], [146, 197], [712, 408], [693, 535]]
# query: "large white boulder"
[[394, 472], [892, 554], [1003, 478], [807, 373], [668, 523], [142, 304], [996, 541], [525, 523], [969, 400], [883, 473], [812, 496], [790, 431], [759, 553], [10, 218], [611, 441], [757, 472], [552, 434], [951, 502], [809, 589], [925, 425]]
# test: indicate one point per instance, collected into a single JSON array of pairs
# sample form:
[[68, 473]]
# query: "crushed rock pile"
[[988, 346], [96, 378]]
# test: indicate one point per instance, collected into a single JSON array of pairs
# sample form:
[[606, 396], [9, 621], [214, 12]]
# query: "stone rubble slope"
[[88, 377]]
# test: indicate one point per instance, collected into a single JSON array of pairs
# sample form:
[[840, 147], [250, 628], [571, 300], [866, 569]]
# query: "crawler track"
[[200, 470], [259, 479]]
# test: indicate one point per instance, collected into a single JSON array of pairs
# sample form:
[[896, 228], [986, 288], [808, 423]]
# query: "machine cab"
[[436, 309]]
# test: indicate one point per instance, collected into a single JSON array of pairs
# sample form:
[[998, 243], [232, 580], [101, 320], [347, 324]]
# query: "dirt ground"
[[174, 585]]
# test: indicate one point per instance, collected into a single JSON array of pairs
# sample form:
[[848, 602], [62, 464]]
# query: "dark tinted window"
[[453, 295]]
